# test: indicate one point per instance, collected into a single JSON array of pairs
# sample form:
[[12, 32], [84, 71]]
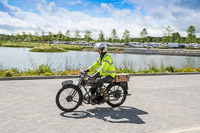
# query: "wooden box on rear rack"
[[122, 77]]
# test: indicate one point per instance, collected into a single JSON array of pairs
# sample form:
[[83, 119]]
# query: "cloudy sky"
[[61, 15]]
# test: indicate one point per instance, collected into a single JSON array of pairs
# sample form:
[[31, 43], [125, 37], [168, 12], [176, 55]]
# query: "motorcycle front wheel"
[[116, 95], [69, 98]]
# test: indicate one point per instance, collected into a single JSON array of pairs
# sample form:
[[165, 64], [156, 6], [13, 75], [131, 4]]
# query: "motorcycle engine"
[[98, 99], [93, 100]]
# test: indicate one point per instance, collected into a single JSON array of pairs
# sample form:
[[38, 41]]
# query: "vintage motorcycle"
[[70, 96]]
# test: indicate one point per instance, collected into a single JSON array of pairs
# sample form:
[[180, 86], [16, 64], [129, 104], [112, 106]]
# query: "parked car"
[[193, 45], [181, 45], [134, 44], [172, 45], [91, 43], [156, 45]]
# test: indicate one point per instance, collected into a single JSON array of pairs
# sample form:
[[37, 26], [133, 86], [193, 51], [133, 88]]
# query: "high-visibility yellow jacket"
[[105, 66]]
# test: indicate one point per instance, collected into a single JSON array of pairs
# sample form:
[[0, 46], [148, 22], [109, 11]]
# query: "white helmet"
[[102, 46]]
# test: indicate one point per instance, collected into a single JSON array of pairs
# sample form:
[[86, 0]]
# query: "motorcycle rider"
[[104, 67]]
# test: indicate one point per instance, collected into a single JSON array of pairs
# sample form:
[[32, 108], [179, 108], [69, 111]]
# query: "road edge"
[[76, 76]]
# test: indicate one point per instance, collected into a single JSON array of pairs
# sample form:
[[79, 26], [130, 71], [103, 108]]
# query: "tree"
[[176, 37], [143, 34], [50, 37], [43, 37], [191, 37], [167, 34], [198, 40], [157, 39], [12, 38], [67, 35], [126, 36], [101, 36], [113, 36], [88, 35], [24, 36], [148, 39], [77, 35], [60, 37], [29, 37], [36, 37], [191, 30], [18, 37]]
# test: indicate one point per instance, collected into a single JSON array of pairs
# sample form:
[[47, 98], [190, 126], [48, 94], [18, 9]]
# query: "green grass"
[[20, 44], [115, 49], [47, 48], [45, 70], [42, 70], [69, 47]]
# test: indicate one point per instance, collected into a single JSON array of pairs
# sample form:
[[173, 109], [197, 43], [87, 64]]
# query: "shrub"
[[44, 69], [126, 66], [153, 68], [8, 74], [187, 69], [2, 73], [170, 69]]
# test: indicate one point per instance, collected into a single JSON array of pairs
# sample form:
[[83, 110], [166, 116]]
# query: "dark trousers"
[[99, 82]]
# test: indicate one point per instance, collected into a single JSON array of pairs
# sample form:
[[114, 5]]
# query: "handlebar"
[[84, 74]]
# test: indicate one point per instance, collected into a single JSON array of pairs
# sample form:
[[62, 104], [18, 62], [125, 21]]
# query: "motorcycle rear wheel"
[[116, 95], [69, 98]]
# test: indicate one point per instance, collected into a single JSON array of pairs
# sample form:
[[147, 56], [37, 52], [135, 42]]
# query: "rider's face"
[[99, 50]]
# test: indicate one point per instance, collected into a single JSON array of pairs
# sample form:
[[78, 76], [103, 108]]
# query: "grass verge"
[[45, 70]]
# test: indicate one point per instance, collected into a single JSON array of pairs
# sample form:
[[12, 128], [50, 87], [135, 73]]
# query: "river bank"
[[43, 47], [151, 51], [178, 52]]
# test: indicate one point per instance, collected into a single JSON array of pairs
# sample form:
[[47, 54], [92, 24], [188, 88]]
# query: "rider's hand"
[[86, 71]]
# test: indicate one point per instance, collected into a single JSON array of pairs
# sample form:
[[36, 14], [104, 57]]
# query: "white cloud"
[[107, 7], [54, 19], [75, 2], [173, 13]]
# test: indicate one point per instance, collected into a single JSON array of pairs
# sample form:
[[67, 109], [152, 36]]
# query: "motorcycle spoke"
[[117, 88], [63, 99], [75, 101], [65, 102], [63, 96]]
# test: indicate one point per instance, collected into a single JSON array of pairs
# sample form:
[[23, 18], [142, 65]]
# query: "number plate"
[[67, 82]]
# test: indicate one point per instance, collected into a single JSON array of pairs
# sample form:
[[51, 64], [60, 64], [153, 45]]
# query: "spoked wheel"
[[69, 98], [116, 95]]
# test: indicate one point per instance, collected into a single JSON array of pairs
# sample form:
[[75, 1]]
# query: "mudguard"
[[67, 82], [120, 84]]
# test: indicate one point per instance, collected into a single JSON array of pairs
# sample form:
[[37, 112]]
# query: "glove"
[[96, 75], [87, 70]]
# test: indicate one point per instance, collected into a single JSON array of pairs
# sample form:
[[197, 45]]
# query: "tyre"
[[116, 95], [69, 98]]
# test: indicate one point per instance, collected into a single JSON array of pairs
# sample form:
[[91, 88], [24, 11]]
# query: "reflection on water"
[[23, 59]]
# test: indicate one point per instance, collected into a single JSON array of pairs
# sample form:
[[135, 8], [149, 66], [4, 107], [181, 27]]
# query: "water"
[[22, 59]]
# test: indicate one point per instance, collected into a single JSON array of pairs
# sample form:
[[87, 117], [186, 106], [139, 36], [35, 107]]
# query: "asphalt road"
[[158, 104]]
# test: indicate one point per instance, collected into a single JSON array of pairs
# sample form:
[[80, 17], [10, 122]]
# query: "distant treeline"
[[168, 36]]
